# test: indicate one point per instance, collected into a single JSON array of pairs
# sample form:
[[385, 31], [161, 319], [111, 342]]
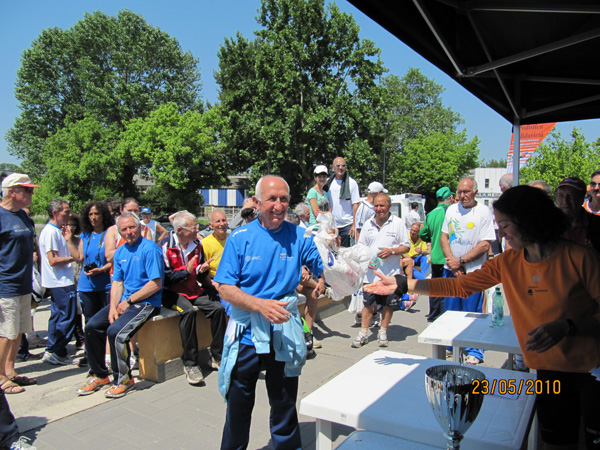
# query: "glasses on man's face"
[[340, 166], [192, 229], [593, 184], [467, 192], [27, 189]]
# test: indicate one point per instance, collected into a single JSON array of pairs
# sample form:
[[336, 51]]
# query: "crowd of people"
[[113, 268]]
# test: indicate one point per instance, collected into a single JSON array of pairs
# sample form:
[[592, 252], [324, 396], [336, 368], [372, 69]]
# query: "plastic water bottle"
[[497, 308], [376, 261]]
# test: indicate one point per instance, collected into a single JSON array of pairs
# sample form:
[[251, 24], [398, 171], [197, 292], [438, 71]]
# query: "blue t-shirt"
[[94, 252], [17, 237], [267, 263], [138, 264]]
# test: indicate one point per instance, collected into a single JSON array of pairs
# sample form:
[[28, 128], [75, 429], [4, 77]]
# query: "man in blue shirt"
[[16, 266], [258, 274], [135, 296]]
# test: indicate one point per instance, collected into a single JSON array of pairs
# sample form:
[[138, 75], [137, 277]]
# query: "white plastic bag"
[[344, 268], [356, 303]]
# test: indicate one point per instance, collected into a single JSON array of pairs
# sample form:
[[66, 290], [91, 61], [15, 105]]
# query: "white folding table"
[[460, 330], [385, 393]]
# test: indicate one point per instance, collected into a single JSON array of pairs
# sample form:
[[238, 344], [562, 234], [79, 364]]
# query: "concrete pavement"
[[175, 415]]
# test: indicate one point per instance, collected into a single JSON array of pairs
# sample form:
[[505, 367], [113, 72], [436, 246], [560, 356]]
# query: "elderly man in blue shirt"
[[258, 274]]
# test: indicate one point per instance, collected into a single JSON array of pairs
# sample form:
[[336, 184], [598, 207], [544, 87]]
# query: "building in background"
[[488, 182]]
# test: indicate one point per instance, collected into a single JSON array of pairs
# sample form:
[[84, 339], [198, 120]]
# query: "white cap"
[[376, 186], [17, 179], [320, 169]]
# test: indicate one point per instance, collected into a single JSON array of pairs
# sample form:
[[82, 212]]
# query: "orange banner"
[[531, 138]]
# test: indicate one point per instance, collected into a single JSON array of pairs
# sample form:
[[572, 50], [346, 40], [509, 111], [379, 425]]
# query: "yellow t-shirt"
[[213, 248], [564, 286], [413, 245]]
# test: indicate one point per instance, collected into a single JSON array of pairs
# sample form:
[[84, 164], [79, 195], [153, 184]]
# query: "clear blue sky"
[[201, 27]]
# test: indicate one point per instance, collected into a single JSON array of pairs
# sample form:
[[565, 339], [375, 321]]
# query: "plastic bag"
[[344, 268]]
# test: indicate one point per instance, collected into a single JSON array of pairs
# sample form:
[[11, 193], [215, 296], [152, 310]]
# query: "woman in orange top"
[[552, 287]]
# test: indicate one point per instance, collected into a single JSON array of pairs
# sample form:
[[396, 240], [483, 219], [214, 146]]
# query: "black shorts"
[[391, 300], [558, 413]]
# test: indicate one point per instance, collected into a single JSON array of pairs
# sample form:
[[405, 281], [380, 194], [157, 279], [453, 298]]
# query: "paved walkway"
[[175, 415]]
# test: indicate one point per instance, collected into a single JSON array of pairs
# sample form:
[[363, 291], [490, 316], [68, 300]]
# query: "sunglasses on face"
[[27, 189], [593, 184]]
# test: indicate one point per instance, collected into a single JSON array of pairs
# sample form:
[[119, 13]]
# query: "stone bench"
[[160, 347]]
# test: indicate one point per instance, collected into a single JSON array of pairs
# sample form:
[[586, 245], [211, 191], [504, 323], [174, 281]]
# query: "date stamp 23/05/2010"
[[515, 387]]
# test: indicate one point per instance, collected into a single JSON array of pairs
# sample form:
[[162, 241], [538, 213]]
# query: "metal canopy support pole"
[[516, 150]]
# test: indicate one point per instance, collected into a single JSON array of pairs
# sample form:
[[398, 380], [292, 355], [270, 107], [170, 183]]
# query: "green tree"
[[298, 95], [179, 152], [411, 107], [494, 163], [114, 68], [558, 158], [430, 162], [82, 164], [9, 167]]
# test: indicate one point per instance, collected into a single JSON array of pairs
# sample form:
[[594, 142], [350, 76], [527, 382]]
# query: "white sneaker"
[[382, 339], [22, 444], [316, 343], [35, 341], [193, 374], [53, 358]]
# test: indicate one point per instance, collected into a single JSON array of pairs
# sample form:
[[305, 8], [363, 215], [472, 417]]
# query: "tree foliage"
[[177, 151], [299, 94], [432, 161], [9, 167], [558, 158], [494, 163], [422, 148], [112, 68]]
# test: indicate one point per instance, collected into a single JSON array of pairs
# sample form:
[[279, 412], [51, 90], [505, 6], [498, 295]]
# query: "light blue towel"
[[287, 340]]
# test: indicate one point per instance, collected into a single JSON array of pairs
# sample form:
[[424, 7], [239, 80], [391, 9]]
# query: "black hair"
[[107, 219], [534, 212]]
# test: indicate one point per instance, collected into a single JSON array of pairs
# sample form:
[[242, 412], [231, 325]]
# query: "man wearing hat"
[[152, 229], [366, 210], [17, 244], [431, 232], [585, 227]]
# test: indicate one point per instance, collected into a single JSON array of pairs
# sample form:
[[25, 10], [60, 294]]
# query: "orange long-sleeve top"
[[564, 286]]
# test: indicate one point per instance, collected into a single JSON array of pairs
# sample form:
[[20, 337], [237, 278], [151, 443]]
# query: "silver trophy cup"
[[450, 392]]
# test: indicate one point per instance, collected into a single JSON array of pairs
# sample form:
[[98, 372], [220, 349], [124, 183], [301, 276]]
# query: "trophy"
[[450, 392]]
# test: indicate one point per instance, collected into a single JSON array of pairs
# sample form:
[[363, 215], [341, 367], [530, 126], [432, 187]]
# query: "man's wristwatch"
[[128, 300], [462, 261], [393, 252]]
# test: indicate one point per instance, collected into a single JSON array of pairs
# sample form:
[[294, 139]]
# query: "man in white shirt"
[[57, 253], [467, 233], [387, 237], [344, 198], [413, 216]]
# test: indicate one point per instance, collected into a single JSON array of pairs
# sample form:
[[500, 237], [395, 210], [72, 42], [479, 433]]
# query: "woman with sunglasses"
[[317, 198], [552, 288]]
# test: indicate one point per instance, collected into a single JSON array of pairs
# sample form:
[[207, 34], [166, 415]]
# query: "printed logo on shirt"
[[536, 279], [285, 257], [252, 258], [19, 229]]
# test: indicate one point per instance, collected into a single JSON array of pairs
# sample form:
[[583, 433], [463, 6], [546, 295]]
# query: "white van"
[[401, 204]]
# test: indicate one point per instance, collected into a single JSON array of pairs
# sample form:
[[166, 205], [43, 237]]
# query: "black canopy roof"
[[531, 61]]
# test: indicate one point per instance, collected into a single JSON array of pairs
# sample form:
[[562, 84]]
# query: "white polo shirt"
[[393, 233]]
